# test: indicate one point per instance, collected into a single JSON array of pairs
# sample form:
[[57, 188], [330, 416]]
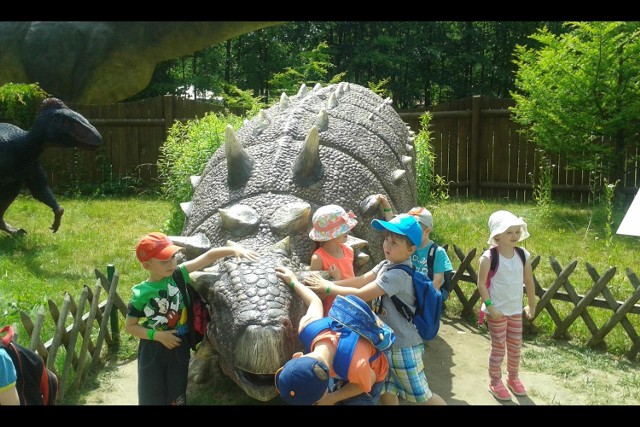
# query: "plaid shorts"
[[406, 378]]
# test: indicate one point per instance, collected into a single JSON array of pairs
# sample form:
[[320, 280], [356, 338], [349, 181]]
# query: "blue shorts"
[[406, 378], [370, 398]]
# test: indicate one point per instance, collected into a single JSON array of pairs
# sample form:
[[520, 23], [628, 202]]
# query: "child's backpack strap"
[[431, 259]]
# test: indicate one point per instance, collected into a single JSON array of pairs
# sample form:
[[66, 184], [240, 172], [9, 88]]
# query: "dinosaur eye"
[[239, 220]]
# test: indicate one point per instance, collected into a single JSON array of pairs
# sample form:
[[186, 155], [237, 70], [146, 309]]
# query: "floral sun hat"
[[331, 221], [500, 221]]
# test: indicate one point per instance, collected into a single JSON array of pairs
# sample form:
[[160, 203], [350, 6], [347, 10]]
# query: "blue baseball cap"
[[404, 224], [298, 383]]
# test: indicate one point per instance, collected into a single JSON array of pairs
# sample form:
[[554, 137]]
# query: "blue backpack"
[[429, 303], [353, 318]]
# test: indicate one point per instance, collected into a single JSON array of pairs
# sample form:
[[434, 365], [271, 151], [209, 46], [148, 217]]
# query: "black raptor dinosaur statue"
[[56, 126]]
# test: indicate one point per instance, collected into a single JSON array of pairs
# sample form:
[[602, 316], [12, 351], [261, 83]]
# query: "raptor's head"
[[65, 128]]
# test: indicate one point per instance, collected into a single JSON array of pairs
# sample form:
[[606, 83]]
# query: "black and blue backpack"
[[35, 384], [426, 318], [353, 318]]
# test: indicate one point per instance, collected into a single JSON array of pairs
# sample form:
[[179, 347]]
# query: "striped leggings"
[[505, 332]]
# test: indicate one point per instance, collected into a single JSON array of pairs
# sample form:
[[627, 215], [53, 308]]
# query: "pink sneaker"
[[516, 387], [499, 391]]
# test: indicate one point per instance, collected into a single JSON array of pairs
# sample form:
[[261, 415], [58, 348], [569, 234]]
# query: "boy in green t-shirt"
[[156, 315]]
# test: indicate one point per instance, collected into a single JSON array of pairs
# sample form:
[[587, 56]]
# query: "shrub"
[[19, 103], [188, 148]]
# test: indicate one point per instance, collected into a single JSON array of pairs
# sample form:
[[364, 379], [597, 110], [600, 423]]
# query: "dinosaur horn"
[[195, 180], [284, 101], [186, 208], [397, 175], [332, 102], [302, 91], [307, 167], [283, 246], [239, 162], [322, 121]]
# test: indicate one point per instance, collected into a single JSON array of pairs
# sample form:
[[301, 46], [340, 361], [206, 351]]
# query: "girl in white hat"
[[502, 295], [331, 227]]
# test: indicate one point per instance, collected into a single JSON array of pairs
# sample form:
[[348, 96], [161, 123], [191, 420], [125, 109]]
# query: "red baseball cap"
[[155, 245]]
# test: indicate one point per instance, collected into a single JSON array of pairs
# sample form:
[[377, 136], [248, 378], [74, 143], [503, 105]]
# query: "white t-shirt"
[[506, 289]]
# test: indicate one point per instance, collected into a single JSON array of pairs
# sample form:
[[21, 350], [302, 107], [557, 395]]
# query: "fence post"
[[167, 108], [115, 325], [474, 164]]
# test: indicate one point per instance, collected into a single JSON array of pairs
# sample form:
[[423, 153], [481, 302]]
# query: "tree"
[[579, 93]]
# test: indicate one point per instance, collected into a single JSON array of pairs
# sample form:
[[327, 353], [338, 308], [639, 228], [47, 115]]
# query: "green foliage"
[[235, 97], [313, 67], [579, 93], [188, 148], [542, 185], [19, 103], [431, 187], [609, 191], [380, 88]]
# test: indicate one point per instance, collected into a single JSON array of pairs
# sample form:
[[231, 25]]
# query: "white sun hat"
[[500, 221]]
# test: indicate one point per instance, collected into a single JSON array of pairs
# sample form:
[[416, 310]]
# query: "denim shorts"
[[370, 398]]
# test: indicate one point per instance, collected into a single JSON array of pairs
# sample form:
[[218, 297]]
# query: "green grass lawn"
[[96, 232]]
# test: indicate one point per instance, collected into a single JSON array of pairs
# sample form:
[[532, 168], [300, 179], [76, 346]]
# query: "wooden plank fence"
[[481, 152], [561, 289], [478, 149], [88, 312]]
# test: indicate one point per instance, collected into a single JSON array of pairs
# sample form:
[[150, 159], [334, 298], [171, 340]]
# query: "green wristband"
[[151, 334], [386, 209], [293, 284], [488, 303], [329, 290]]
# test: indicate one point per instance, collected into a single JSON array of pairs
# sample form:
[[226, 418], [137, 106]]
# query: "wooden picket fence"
[[620, 309], [87, 314]]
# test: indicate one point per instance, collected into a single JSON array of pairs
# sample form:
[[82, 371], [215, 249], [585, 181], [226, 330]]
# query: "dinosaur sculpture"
[[339, 144], [100, 62], [55, 126]]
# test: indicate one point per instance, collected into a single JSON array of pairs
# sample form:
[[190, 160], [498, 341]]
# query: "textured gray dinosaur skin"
[[341, 144]]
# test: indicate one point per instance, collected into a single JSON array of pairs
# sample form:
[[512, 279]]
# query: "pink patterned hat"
[[331, 221]]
